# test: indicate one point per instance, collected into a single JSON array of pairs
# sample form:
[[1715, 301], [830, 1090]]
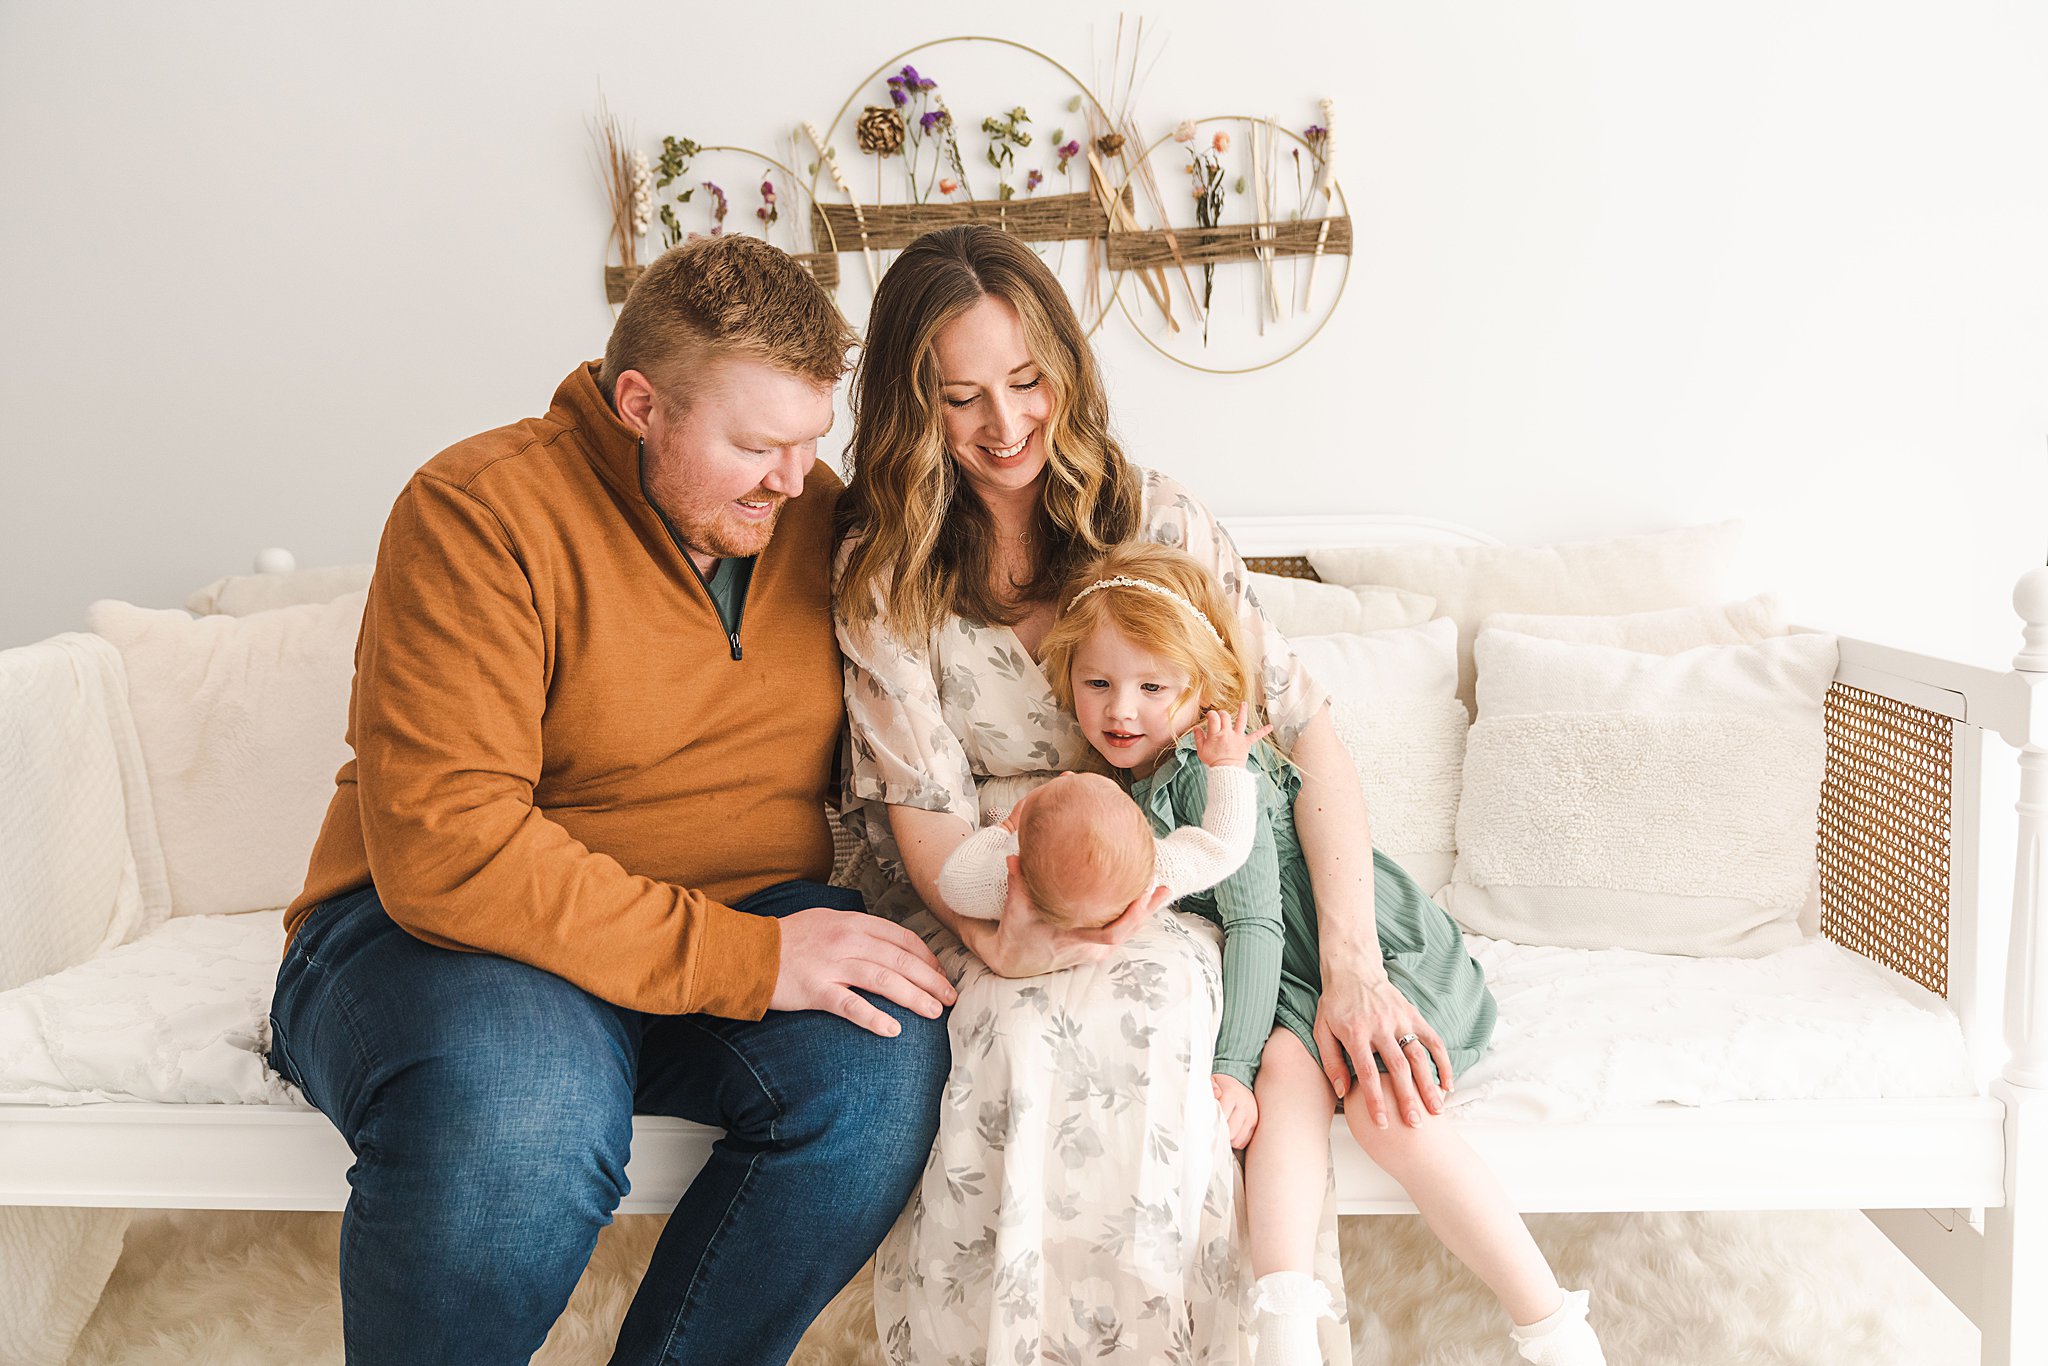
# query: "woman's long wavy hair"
[[924, 542]]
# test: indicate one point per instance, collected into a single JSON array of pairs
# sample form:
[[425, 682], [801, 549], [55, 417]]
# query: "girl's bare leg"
[[1461, 1201], [1286, 1171], [1288, 1160]]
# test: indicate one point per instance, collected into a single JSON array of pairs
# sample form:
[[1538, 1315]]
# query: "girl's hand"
[[1022, 944], [1361, 1017], [1240, 1108], [1222, 743]]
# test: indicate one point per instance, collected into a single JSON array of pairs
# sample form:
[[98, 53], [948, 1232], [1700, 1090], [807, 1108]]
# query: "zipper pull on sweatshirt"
[[734, 637]]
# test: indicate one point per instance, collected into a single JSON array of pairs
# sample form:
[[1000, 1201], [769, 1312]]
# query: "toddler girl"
[[1144, 642]]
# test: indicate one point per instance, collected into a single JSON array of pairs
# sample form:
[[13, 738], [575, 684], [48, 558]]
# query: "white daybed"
[[1941, 1163]]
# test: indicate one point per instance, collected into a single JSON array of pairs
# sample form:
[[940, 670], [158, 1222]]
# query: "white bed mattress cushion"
[[1590, 1032], [181, 1016]]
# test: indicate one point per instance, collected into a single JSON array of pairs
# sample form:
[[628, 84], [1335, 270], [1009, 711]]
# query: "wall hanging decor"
[[1224, 241]]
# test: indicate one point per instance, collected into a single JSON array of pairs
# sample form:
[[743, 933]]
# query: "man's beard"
[[719, 531]]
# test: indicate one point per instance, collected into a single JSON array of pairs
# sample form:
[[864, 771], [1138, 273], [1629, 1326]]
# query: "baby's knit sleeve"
[[976, 878], [1195, 858]]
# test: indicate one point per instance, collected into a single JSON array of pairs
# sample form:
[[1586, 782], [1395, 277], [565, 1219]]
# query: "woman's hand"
[[1022, 944], [1222, 743], [1359, 1017], [1240, 1108]]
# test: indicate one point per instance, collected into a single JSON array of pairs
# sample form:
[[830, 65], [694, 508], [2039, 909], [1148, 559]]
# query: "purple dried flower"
[[1066, 152], [898, 98], [895, 80], [1034, 179], [910, 76], [930, 119]]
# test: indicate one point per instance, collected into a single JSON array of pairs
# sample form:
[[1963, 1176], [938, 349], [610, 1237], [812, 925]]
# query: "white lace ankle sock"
[[1287, 1306], [1563, 1339]]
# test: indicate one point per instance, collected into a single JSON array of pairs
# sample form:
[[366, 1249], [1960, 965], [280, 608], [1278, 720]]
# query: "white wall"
[[1622, 266]]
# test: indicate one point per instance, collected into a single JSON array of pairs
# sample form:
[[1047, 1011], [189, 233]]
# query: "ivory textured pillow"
[[1393, 699], [1303, 607], [1657, 633], [239, 595], [1614, 799], [1471, 582], [241, 721]]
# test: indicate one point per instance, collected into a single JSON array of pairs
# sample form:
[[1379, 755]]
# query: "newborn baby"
[[1085, 851]]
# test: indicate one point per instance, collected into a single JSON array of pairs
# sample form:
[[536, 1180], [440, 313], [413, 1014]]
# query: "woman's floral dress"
[[1081, 1202]]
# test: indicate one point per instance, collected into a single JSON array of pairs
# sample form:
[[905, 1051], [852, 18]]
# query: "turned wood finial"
[[2030, 600]]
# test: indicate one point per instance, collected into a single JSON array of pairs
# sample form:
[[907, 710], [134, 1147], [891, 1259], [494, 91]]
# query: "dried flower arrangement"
[[912, 122], [673, 165], [624, 174], [1205, 164], [1005, 135]]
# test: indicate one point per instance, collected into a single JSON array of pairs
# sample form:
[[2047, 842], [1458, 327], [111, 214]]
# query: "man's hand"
[[1022, 944], [826, 954], [1220, 743], [1240, 1108], [1361, 1015]]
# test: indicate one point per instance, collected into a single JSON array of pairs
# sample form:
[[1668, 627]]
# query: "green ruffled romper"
[[1268, 915]]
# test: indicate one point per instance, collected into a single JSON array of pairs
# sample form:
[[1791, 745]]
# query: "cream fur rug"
[[1669, 1290]]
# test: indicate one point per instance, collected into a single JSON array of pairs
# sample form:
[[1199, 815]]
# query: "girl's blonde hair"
[[924, 543], [1221, 670]]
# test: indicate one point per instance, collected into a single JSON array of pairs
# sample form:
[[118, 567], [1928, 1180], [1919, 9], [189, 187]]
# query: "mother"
[[1081, 1195]]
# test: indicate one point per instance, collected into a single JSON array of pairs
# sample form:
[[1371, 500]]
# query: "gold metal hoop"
[[1115, 277], [1336, 194]]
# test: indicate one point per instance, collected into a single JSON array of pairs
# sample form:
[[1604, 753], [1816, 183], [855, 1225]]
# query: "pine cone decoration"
[[880, 130], [1110, 144]]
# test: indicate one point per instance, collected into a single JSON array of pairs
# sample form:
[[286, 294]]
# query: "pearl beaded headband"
[[1161, 590]]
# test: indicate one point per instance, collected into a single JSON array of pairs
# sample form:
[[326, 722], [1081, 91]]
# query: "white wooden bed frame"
[[1948, 1180]]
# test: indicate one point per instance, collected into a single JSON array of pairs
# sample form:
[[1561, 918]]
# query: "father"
[[575, 868]]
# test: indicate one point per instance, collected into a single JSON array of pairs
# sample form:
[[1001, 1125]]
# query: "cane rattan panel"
[[1286, 566], [1885, 808]]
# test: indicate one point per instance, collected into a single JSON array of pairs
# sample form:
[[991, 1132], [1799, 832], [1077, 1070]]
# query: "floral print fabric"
[[1081, 1202]]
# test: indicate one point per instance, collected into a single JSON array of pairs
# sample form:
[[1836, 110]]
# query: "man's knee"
[[877, 1104], [507, 1114]]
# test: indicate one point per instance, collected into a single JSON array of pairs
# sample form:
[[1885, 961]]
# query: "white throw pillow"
[[1657, 633], [1682, 568], [1393, 699], [242, 594], [1614, 799], [241, 721], [1304, 607]]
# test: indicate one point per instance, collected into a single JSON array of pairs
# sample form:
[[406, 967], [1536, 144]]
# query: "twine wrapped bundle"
[[1230, 242], [1040, 218]]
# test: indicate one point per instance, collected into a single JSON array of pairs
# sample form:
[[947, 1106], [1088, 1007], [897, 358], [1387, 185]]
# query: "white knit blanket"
[[180, 1016], [1591, 1032], [83, 874]]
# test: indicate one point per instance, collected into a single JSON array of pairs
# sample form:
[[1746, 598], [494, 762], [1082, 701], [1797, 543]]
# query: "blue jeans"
[[489, 1105]]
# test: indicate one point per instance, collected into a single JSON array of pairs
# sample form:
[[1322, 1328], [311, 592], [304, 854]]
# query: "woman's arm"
[[1360, 1008], [1020, 944]]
